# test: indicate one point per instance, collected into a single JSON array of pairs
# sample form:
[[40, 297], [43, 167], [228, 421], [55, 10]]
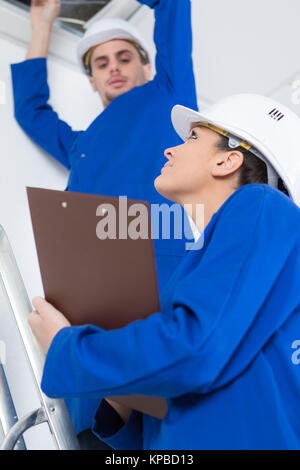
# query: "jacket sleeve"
[[35, 115], [173, 40], [117, 434], [213, 329]]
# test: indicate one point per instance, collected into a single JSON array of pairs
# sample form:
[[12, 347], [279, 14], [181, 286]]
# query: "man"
[[114, 156]]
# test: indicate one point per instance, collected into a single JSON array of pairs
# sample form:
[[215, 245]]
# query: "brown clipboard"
[[105, 282]]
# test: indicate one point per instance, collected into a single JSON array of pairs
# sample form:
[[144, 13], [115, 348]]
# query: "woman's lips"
[[167, 165]]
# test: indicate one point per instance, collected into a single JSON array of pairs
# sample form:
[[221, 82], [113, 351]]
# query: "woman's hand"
[[45, 322]]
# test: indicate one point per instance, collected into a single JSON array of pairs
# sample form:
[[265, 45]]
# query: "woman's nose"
[[169, 153]]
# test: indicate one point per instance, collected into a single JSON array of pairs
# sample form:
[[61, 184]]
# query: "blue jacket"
[[122, 151], [225, 348]]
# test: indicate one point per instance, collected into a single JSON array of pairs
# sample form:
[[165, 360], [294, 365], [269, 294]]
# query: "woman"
[[221, 350]]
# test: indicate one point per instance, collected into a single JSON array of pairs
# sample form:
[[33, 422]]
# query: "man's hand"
[[43, 13], [42, 16], [46, 322]]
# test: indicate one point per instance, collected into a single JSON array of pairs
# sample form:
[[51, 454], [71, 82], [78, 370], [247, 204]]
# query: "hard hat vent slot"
[[276, 114]]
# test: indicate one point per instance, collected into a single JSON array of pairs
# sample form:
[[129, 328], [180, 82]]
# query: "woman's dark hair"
[[253, 170]]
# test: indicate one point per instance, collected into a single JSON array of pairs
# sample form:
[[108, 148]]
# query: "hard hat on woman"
[[261, 125]]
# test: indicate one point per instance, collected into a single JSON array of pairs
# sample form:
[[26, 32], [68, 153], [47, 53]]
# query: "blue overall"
[[224, 350]]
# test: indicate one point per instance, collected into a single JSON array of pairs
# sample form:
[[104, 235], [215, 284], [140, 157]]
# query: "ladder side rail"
[[58, 417], [8, 415]]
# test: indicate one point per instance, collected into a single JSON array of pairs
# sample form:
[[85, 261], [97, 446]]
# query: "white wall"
[[246, 46], [22, 162], [243, 47]]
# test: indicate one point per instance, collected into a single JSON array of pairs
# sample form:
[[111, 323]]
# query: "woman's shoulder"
[[271, 198], [255, 204], [262, 194]]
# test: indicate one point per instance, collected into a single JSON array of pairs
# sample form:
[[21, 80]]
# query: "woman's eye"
[[193, 135]]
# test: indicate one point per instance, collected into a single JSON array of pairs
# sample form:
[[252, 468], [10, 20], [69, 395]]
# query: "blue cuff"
[[126, 436], [107, 421]]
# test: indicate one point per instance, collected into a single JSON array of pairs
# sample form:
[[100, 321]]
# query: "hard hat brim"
[[182, 119]]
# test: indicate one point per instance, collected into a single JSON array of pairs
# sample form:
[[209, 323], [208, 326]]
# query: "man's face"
[[116, 68]]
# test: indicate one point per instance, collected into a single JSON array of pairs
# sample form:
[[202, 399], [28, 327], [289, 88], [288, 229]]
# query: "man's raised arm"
[[42, 16], [173, 40]]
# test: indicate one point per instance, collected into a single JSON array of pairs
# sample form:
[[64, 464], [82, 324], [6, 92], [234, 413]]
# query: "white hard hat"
[[268, 129], [105, 30]]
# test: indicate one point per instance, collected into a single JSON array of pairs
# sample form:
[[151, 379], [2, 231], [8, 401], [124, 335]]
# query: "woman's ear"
[[228, 163]]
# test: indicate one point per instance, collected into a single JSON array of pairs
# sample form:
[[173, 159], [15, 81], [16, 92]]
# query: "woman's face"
[[189, 168]]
